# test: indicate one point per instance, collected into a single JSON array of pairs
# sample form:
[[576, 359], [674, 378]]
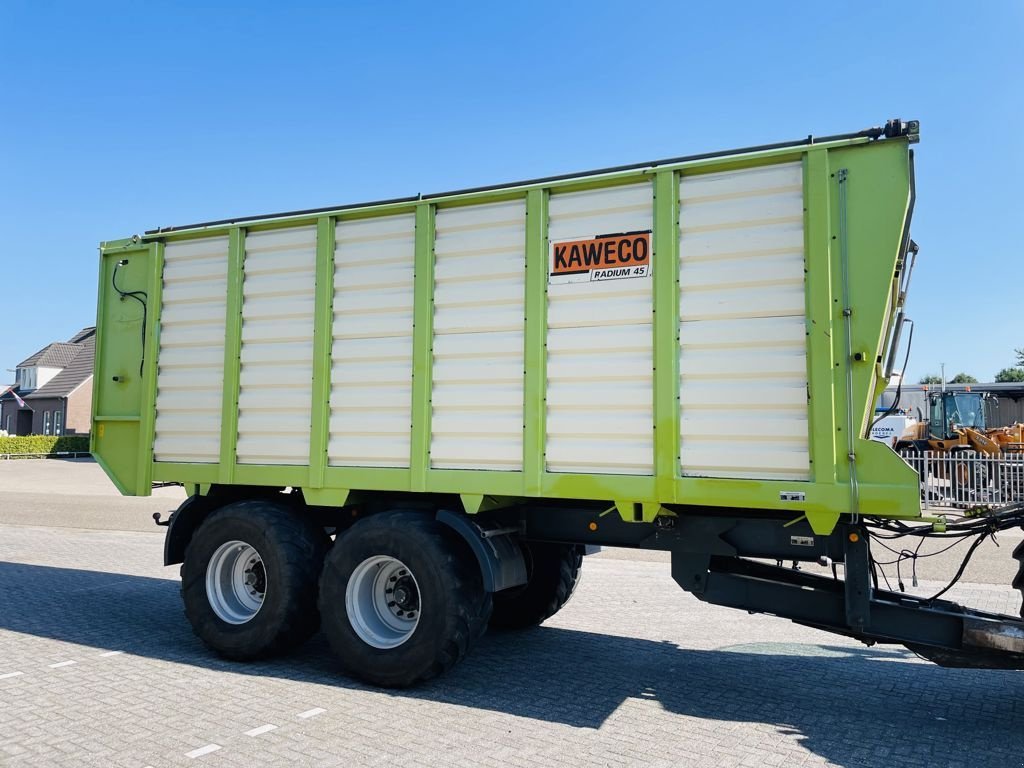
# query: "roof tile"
[[55, 355], [77, 371]]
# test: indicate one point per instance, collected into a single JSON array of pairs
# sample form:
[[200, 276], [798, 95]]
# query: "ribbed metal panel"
[[371, 357], [190, 363], [479, 311], [276, 375], [743, 360], [600, 361]]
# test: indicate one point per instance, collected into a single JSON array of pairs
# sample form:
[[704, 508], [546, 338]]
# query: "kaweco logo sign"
[[602, 257]]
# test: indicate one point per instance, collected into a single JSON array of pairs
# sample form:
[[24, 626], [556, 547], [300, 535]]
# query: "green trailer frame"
[[527, 529], [857, 201]]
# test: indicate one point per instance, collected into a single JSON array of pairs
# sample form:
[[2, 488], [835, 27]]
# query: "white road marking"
[[202, 751], [62, 664], [311, 713], [112, 653], [261, 730], [11, 674]]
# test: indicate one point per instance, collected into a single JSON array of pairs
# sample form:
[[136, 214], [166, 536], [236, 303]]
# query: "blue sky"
[[120, 117]]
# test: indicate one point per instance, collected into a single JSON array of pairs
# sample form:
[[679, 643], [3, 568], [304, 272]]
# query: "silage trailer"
[[408, 420]]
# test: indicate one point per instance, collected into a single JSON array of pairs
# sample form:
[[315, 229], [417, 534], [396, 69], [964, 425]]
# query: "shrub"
[[44, 444]]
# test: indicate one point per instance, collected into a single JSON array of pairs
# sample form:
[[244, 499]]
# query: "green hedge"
[[44, 444]]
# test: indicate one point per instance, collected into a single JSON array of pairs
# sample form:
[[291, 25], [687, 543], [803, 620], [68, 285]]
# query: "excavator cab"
[[950, 412]]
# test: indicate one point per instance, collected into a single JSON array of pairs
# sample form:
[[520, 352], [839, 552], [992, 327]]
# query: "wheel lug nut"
[[400, 613], [388, 591], [392, 603], [393, 578]]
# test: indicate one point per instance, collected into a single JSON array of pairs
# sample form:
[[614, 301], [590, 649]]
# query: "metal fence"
[[967, 479], [56, 455]]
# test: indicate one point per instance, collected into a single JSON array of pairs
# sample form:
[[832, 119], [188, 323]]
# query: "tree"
[[1010, 374], [1020, 356], [930, 378], [963, 378]]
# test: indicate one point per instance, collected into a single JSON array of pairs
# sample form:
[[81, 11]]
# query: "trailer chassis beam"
[[713, 557], [939, 630]]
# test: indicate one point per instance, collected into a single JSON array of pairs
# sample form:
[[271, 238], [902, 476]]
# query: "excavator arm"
[[981, 442]]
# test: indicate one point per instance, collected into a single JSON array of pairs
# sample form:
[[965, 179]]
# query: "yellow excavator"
[[961, 460], [959, 421]]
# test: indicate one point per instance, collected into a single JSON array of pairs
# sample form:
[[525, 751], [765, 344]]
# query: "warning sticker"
[[603, 257]]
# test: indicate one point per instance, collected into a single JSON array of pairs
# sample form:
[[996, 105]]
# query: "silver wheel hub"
[[382, 600], [236, 582]]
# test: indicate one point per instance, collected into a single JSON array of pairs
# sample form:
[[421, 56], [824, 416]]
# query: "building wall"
[[41, 407], [79, 410], [76, 411], [9, 408], [1008, 411], [45, 375]]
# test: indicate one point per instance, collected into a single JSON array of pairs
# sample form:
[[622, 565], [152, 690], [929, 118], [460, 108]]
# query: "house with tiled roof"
[[53, 391]]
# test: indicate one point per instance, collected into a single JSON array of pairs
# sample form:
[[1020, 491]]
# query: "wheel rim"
[[382, 600], [236, 582]]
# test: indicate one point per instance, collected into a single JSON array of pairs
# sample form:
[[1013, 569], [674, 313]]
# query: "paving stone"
[[632, 672]]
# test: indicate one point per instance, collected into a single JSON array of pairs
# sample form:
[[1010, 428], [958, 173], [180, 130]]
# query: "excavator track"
[[1018, 580]]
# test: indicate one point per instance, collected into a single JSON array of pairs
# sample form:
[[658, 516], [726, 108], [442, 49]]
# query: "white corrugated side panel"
[[276, 377], [743, 359], [371, 358], [190, 365], [479, 311], [600, 377]]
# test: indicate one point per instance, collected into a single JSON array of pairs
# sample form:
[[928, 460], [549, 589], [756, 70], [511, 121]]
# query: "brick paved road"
[[633, 671]]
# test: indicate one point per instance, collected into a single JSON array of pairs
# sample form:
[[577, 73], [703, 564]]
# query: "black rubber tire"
[[554, 571], [292, 549], [1018, 580], [454, 607]]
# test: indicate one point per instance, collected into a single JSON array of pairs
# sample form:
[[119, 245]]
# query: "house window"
[[46, 422], [58, 422], [7, 424], [26, 378]]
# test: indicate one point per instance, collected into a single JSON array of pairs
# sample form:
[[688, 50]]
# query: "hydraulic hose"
[[133, 295], [977, 528]]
